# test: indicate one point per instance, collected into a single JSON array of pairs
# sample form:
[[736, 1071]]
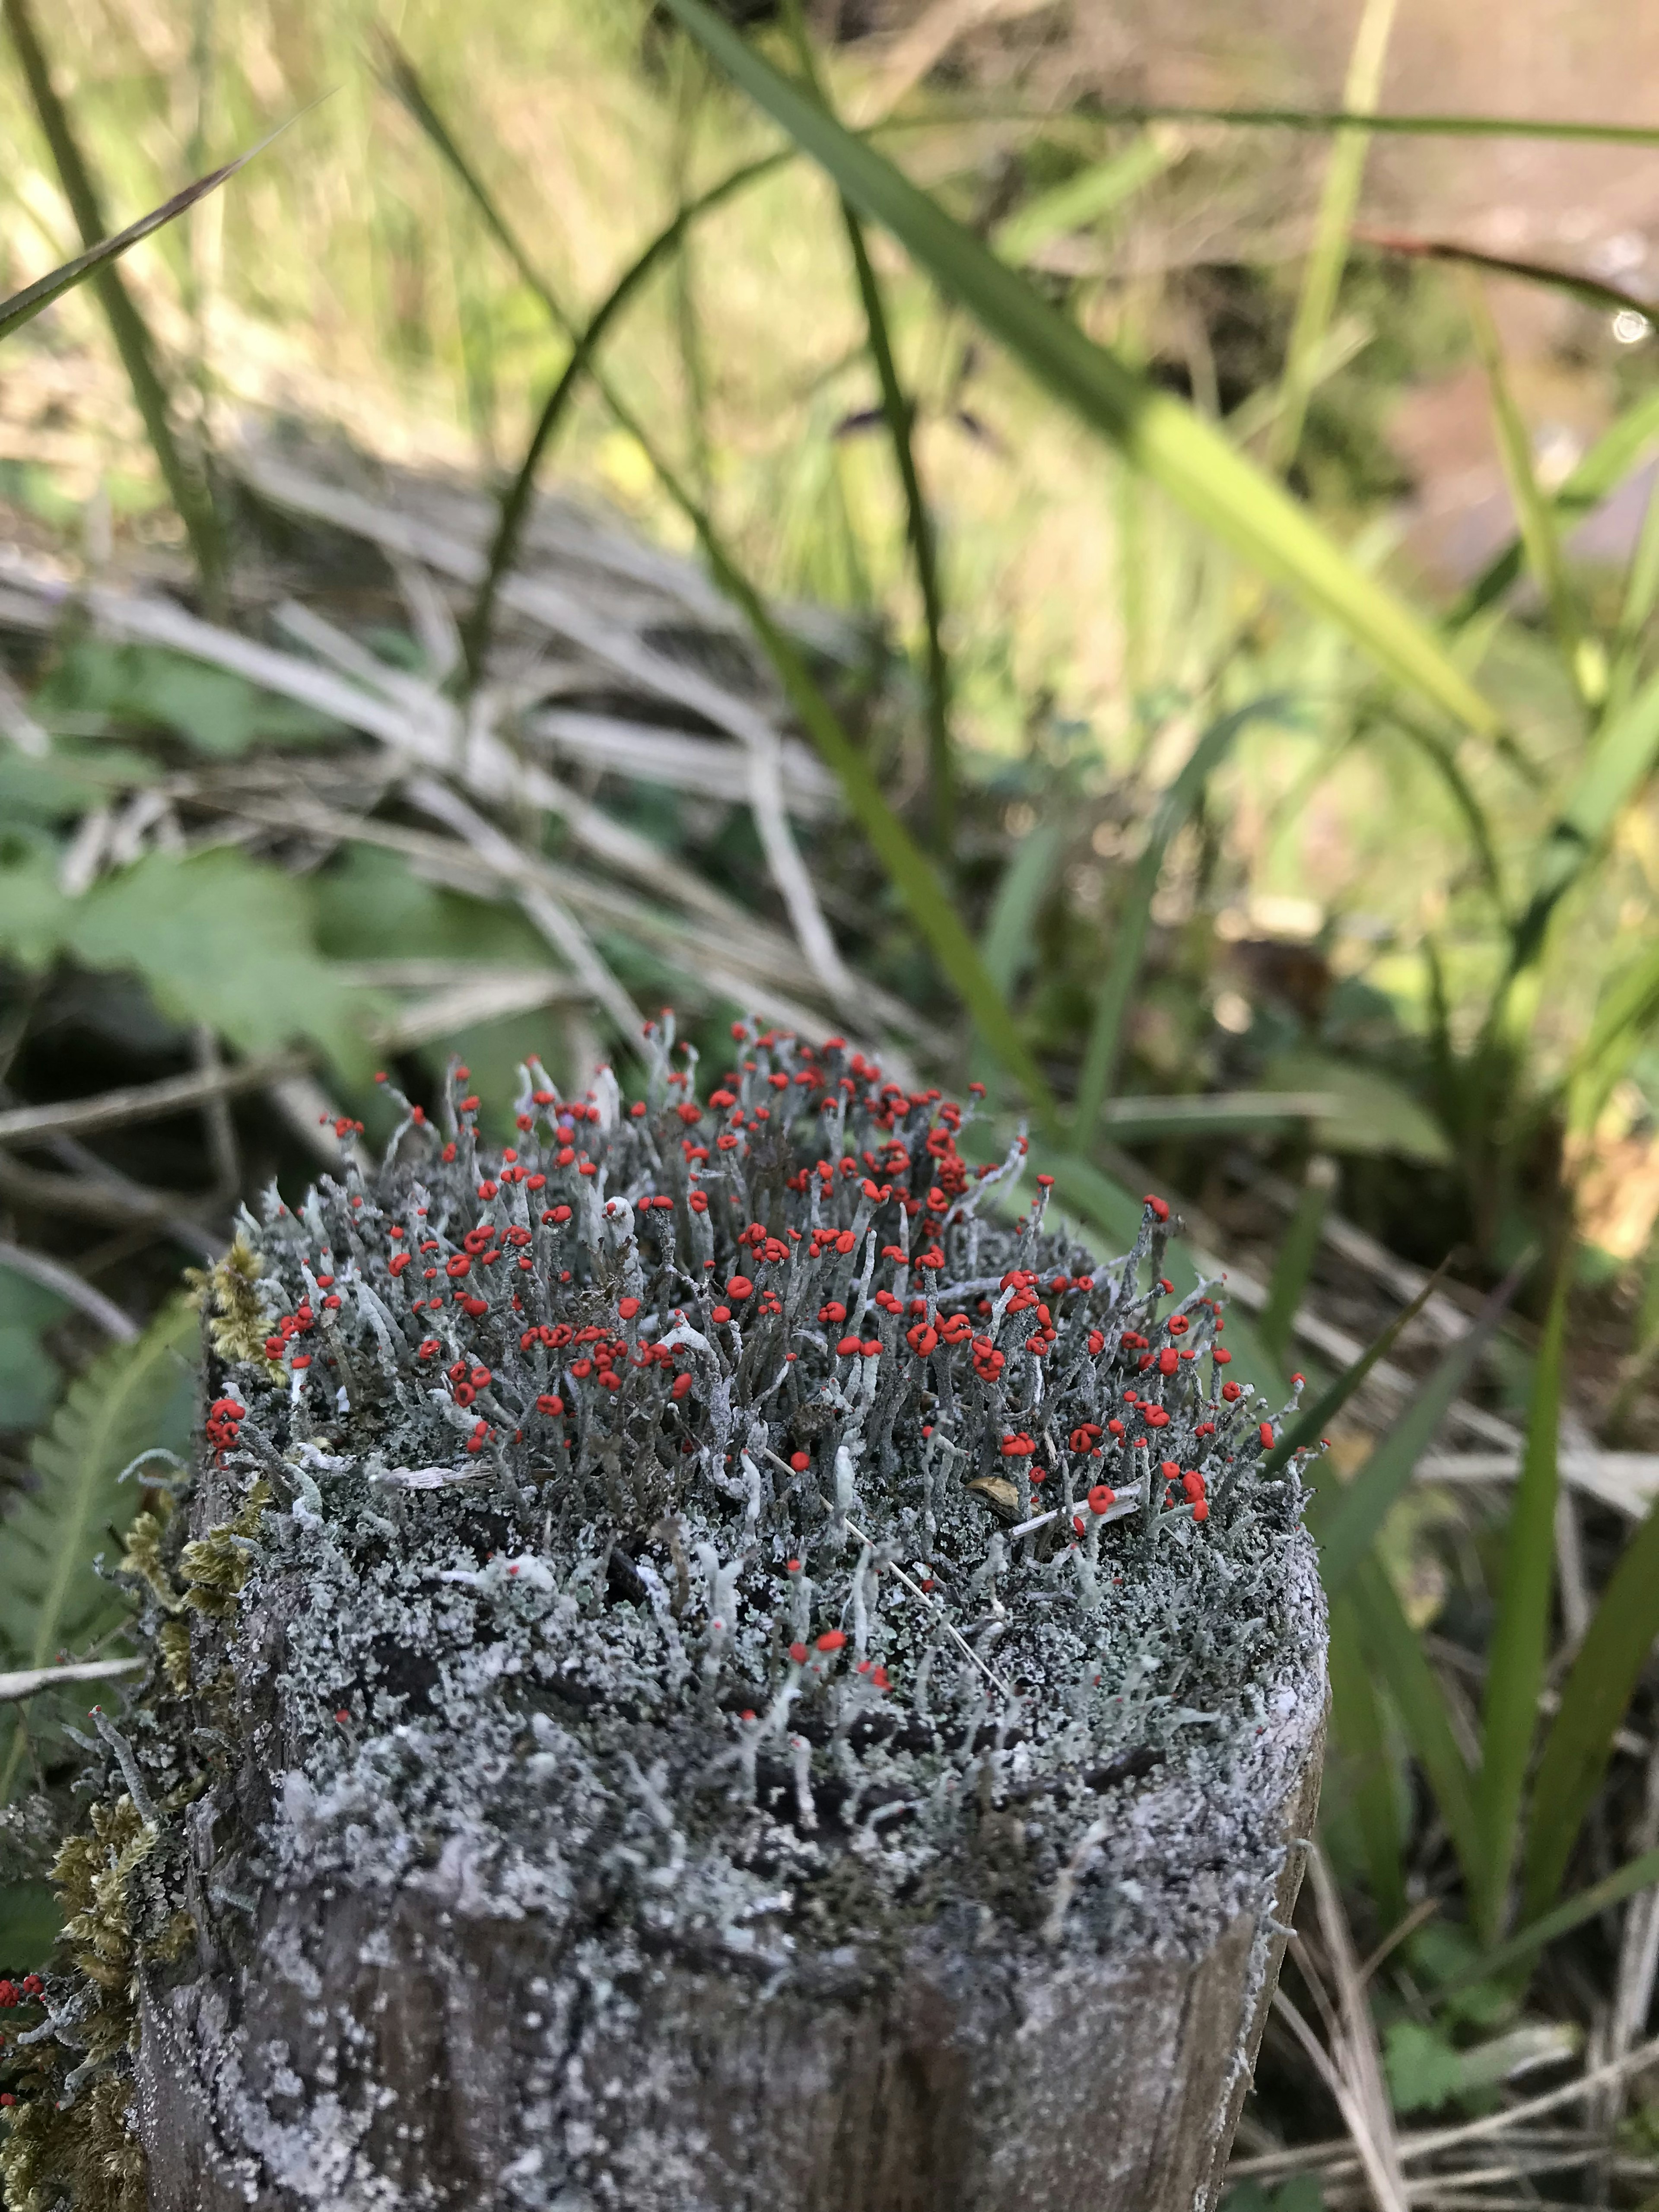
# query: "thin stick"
[[68, 1284], [934, 1607], [1386, 2190], [24, 1683], [146, 1102]]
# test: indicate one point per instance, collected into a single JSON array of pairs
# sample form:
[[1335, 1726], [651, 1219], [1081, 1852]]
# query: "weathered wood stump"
[[656, 1725]]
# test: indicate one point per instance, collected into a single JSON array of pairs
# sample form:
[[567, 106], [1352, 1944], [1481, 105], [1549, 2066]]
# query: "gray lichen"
[[697, 1530]]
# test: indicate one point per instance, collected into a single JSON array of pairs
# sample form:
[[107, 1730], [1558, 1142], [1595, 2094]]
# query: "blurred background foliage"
[[1149, 612]]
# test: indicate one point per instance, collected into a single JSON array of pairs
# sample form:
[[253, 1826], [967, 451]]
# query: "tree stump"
[[871, 1780]]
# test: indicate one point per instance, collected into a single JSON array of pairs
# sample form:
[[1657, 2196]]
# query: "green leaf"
[[1392, 1645], [213, 709], [1519, 1640], [1374, 1114], [1426, 2070], [1346, 1521], [1118, 982], [1160, 435], [1594, 1700], [216, 937], [68, 781]]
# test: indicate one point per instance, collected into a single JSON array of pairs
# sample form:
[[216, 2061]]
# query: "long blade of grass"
[[1619, 763], [1519, 1640], [1356, 1722], [1020, 893], [1117, 985], [1521, 1949], [1192, 460], [1309, 1426], [1594, 1698], [1641, 595], [1293, 1263], [1435, 126], [187, 484], [513, 510], [1392, 1645], [1440, 752], [899, 414], [907, 865], [23, 307], [1538, 533], [1083, 198], [1605, 466], [1590, 289], [1346, 1521], [1322, 279], [1624, 1016]]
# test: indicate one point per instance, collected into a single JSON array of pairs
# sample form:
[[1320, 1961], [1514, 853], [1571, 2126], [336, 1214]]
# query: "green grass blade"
[[1298, 1251], [1323, 279], [1641, 596], [1357, 1724], [1520, 1638], [1539, 536], [514, 507], [1594, 1700], [1429, 126], [1440, 752], [1192, 460], [187, 485], [1520, 1949], [23, 307], [1618, 764], [1007, 945], [1624, 1016], [899, 413], [1213, 1113], [1309, 1426], [401, 80], [1117, 985], [1392, 1646], [1083, 198], [908, 868], [1346, 1520], [1606, 466]]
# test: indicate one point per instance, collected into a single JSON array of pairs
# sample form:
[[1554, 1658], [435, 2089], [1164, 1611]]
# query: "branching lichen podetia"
[[718, 1522]]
